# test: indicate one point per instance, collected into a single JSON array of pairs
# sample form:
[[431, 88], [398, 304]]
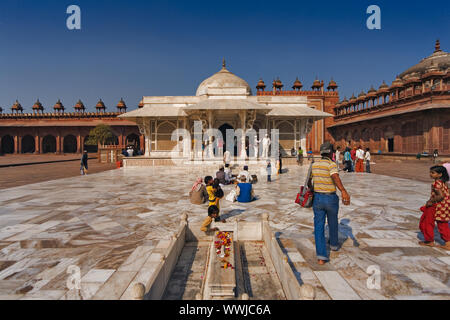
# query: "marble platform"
[[114, 226]]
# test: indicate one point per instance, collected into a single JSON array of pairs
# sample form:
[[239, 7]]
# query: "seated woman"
[[198, 193], [244, 191]]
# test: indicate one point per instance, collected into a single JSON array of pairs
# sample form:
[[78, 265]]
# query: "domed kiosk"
[[225, 81], [173, 125]]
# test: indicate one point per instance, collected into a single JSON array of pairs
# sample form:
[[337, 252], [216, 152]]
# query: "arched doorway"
[[70, 144], [49, 144], [7, 144], [28, 144], [133, 139], [223, 129]]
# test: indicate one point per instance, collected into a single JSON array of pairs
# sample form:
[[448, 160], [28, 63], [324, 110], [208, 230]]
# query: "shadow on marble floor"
[[232, 213]]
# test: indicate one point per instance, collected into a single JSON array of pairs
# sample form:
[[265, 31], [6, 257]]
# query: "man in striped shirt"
[[325, 179]]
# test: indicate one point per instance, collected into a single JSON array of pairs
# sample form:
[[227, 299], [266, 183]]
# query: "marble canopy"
[[223, 101]]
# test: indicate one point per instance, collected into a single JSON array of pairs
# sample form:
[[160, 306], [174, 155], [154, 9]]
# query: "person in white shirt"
[[228, 174], [247, 175], [359, 160], [256, 147], [338, 155], [227, 158], [367, 158], [266, 144]]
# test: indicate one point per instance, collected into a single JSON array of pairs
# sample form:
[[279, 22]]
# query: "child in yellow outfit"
[[213, 213]]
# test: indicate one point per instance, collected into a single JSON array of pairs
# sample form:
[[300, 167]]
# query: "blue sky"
[[133, 48]]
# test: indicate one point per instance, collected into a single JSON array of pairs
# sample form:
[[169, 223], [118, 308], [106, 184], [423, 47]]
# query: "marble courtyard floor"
[[110, 224]]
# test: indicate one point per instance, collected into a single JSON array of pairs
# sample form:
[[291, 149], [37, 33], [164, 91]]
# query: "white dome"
[[222, 79]]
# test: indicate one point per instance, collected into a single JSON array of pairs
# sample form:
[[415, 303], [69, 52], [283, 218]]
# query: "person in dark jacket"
[[280, 158], [84, 163]]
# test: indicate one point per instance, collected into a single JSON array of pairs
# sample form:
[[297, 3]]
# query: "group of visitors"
[[354, 159], [324, 180], [212, 193]]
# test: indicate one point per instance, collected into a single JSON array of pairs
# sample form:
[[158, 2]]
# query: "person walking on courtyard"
[[198, 193], [338, 157], [310, 155], [367, 158], [300, 156], [359, 159], [324, 180], [269, 171], [437, 209], [347, 160], [435, 155], [353, 155], [280, 159], [84, 163]]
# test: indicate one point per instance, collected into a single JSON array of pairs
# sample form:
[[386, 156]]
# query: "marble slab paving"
[[336, 286], [121, 222], [428, 282]]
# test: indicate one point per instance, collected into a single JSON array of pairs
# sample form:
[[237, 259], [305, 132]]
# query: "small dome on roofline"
[[79, 105], [37, 105], [297, 84], [332, 85], [58, 106], [17, 106], [316, 84]]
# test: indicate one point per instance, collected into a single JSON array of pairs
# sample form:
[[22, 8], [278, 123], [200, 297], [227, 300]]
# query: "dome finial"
[[223, 63], [437, 46]]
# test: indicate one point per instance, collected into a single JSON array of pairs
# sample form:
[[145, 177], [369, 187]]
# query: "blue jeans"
[[325, 205]]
